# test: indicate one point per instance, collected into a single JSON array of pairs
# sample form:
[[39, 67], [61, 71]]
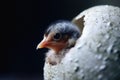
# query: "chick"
[[60, 37]]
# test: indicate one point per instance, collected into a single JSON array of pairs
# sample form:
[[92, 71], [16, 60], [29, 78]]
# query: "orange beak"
[[56, 46], [42, 44]]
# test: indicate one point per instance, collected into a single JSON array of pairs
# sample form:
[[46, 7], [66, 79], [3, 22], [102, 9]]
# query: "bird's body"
[[59, 37]]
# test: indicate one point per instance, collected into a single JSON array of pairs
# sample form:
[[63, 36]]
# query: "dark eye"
[[57, 36]]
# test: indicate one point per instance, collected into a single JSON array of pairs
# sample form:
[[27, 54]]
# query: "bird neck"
[[62, 52]]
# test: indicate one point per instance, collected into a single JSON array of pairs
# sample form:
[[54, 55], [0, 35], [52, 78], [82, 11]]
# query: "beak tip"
[[42, 44], [39, 46]]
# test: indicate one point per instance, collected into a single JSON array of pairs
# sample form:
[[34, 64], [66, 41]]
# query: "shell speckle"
[[100, 76], [109, 24], [110, 48], [102, 67], [107, 36], [76, 69], [99, 56]]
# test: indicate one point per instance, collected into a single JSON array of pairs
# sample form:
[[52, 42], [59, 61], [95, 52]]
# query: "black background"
[[19, 58]]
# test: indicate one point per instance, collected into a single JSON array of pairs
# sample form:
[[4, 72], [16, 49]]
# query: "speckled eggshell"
[[96, 55]]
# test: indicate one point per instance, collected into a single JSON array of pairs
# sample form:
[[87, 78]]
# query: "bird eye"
[[57, 36]]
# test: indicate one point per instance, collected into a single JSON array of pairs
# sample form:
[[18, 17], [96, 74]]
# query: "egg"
[[96, 55]]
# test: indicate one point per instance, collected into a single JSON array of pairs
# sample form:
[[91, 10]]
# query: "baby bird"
[[60, 37]]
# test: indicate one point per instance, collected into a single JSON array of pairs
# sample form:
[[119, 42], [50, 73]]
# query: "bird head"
[[59, 36]]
